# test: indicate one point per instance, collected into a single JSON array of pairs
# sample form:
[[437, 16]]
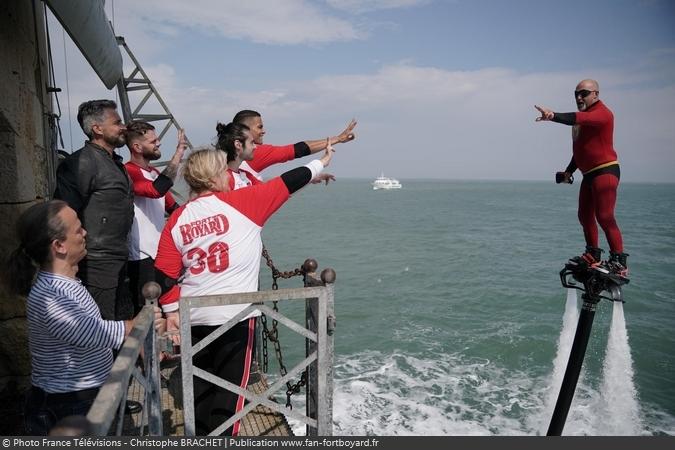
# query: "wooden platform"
[[262, 421]]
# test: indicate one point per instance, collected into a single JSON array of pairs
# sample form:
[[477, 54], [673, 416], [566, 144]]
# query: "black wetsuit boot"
[[591, 256], [618, 263]]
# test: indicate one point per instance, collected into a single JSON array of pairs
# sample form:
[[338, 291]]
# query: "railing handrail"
[[111, 397], [323, 295], [254, 297]]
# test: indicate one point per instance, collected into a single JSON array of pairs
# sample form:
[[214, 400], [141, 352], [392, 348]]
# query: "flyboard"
[[596, 282]]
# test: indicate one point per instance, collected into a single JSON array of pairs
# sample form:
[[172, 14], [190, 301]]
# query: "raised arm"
[[171, 169], [164, 182]]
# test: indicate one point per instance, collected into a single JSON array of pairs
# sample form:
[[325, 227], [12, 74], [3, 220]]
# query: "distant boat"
[[383, 182]]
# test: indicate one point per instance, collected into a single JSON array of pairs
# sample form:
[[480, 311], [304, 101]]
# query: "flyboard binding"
[[597, 281]]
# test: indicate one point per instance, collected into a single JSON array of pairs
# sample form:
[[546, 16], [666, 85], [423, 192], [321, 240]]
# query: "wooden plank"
[[262, 421]]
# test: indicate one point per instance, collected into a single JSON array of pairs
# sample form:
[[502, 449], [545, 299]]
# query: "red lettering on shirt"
[[217, 225]]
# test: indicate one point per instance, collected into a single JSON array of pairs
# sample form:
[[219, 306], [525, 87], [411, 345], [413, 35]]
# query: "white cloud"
[[363, 6], [279, 22]]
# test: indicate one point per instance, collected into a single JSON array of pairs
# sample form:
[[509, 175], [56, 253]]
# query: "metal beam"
[[89, 28]]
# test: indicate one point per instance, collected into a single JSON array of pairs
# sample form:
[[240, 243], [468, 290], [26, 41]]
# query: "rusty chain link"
[[273, 334], [278, 274]]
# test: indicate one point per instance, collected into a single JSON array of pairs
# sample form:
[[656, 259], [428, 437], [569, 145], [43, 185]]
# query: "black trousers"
[[228, 357], [106, 281], [140, 272], [44, 410]]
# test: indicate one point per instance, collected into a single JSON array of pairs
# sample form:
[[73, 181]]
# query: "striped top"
[[70, 344]]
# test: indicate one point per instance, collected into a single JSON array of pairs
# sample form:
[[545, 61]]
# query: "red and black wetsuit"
[[593, 153]]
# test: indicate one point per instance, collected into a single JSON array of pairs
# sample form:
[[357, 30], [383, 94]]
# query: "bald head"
[[588, 84], [586, 93]]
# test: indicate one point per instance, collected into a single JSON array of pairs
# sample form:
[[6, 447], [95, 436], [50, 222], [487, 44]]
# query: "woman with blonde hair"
[[213, 242]]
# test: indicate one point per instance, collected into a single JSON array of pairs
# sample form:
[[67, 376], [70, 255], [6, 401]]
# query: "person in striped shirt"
[[213, 243], [70, 344]]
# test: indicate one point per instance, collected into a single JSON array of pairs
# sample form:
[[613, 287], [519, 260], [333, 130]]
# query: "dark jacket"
[[96, 185]]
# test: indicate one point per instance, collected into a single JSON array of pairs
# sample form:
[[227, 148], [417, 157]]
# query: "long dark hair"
[[36, 229], [229, 133]]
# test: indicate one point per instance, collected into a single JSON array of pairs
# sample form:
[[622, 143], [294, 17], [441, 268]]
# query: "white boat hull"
[[385, 183]]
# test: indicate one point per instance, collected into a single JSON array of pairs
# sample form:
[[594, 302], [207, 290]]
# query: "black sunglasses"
[[584, 93]]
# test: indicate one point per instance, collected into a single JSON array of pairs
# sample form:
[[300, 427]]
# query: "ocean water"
[[451, 319]]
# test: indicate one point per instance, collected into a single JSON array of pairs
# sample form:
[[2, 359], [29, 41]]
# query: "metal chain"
[[273, 334], [276, 273], [265, 333]]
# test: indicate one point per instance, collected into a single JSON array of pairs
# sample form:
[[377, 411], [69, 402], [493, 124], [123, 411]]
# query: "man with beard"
[[152, 200], [593, 153], [94, 182]]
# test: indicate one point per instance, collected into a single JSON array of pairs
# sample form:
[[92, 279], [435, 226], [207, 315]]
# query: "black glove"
[[560, 178]]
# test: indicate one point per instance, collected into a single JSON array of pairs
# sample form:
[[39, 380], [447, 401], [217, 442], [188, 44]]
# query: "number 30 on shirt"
[[216, 259]]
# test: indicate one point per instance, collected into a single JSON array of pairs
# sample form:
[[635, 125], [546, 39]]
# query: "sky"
[[441, 89]]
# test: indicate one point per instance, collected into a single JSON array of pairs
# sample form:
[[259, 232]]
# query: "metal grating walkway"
[[260, 422]]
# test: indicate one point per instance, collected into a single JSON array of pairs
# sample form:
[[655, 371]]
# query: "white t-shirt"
[[149, 210]]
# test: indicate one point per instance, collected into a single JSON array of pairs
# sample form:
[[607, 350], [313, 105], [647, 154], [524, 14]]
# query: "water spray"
[[597, 283]]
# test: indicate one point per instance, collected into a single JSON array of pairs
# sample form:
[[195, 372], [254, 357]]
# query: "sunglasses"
[[583, 93]]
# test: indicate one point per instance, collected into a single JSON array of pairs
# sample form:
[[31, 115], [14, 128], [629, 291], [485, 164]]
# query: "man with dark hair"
[[245, 169], [94, 182], [593, 153], [152, 200]]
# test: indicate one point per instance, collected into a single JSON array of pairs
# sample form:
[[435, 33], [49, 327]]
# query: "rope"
[[52, 79], [112, 13], [65, 65]]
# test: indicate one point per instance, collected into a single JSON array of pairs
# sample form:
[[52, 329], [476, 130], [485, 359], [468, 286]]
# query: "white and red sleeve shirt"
[[215, 241], [242, 178], [265, 156], [149, 209]]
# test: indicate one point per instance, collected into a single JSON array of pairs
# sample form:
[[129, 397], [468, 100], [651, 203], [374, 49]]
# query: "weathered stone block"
[[14, 346], [11, 306]]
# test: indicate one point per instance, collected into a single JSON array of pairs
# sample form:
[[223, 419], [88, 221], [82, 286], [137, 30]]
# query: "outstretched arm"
[[323, 177], [259, 202], [546, 114], [297, 178], [326, 177], [549, 115], [345, 136], [266, 155]]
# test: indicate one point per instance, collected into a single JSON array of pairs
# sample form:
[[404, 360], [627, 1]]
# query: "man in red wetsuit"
[[593, 153]]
